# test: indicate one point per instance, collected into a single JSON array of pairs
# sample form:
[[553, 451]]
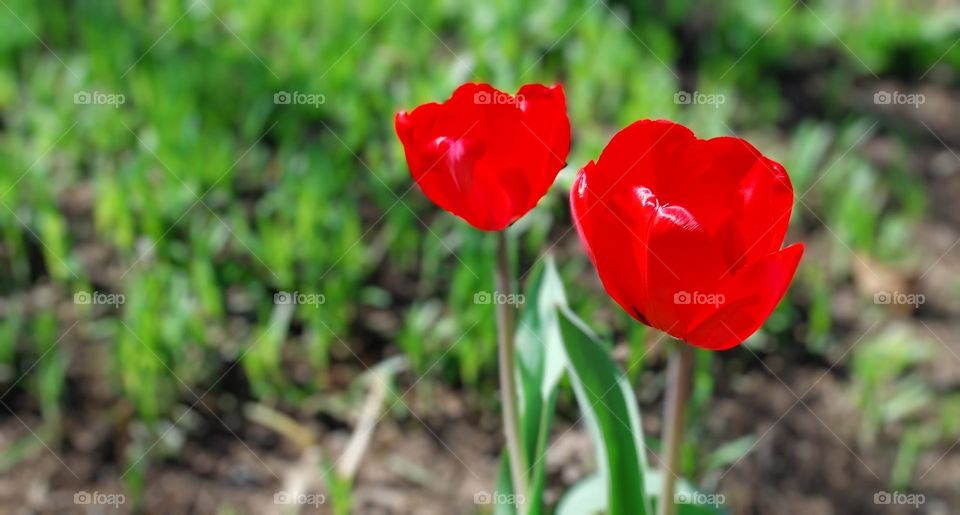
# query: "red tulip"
[[685, 233], [484, 155]]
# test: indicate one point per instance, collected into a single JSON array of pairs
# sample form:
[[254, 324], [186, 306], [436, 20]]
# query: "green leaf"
[[607, 402], [730, 452], [587, 497], [540, 361], [539, 346], [504, 487], [689, 500]]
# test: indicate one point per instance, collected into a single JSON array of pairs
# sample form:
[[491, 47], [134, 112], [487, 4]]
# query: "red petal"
[[675, 224], [601, 224], [750, 298], [743, 198], [635, 154], [684, 264], [487, 156]]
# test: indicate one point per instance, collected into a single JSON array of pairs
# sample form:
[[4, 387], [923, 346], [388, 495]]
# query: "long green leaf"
[[587, 497], [504, 488], [540, 366], [607, 402]]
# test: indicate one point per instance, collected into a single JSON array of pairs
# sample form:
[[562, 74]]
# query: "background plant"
[[305, 197]]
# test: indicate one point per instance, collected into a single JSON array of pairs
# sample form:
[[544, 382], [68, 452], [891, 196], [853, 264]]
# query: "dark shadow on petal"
[[640, 315]]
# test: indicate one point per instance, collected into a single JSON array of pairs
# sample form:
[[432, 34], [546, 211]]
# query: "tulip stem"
[[508, 371], [679, 370]]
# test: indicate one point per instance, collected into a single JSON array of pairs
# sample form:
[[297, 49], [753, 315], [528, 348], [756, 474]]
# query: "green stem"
[[508, 372], [679, 370]]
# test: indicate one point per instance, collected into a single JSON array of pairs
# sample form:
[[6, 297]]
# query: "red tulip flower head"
[[487, 156], [686, 233]]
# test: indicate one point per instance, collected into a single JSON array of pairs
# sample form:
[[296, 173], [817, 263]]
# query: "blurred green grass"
[[199, 198]]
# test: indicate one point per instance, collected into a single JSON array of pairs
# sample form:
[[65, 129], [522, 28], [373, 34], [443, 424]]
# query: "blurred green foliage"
[[200, 197]]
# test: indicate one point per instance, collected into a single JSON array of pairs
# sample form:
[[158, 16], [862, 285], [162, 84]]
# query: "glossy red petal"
[[545, 132], [765, 215], [634, 154], [751, 296], [743, 198], [486, 156], [601, 225], [676, 226], [685, 267]]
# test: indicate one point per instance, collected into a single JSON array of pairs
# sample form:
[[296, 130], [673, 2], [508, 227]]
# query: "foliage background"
[[199, 198]]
